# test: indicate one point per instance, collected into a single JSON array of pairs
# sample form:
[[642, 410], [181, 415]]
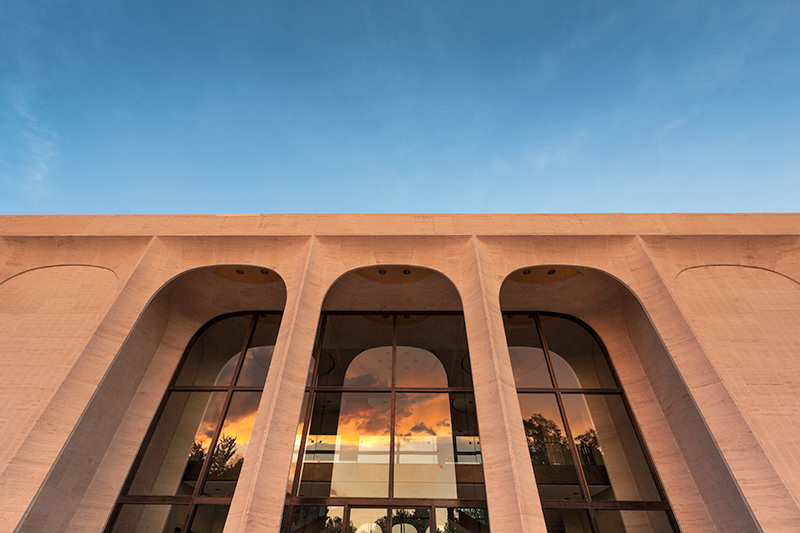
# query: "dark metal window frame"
[[312, 389], [369, 503], [588, 504], [197, 498]]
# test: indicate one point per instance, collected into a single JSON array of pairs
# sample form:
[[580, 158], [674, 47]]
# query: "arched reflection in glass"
[[417, 367], [186, 471], [574, 413], [370, 368], [392, 416]]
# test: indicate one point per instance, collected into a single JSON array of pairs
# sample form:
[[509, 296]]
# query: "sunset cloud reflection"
[[359, 451]]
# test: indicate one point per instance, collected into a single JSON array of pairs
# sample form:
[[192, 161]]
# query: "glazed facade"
[[403, 373]]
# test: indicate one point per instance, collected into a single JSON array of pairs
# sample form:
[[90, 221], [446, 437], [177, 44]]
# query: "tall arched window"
[[187, 468], [592, 471], [391, 435], [388, 438]]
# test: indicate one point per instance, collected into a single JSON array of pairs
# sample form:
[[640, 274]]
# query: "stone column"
[[510, 486], [257, 504]]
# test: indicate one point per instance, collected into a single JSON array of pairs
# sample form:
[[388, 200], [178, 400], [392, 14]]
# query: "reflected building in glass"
[[400, 373]]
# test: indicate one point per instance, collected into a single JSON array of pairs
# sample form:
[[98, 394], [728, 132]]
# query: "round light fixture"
[[394, 273], [246, 274], [543, 274]]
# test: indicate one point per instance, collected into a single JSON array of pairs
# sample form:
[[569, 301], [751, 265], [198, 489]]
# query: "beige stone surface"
[[699, 314]]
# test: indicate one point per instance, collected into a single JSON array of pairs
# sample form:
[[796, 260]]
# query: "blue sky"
[[391, 106]]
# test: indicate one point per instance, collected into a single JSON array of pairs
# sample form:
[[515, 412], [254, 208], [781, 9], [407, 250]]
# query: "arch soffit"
[[176, 278], [213, 307], [602, 276], [601, 273], [343, 274]]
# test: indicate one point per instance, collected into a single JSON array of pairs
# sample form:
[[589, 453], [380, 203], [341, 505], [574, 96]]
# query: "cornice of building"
[[401, 224]]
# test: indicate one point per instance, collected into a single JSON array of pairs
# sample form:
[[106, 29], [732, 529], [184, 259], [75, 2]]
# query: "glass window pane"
[[529, 367], [634, 521], [134, 518], [442, 335], [214, 354], [368, 520], [525, 349], [255, 366], [209, 519], [266, 332], [424, 447], [347, 448], [419, 368], [370, 368], [174, 455], [556, 477], [229, 452], [259, 353], [608, 447], [462, 520], [411, 520], [567, 521], [577, 358], [469, 464], [347, 336], [297, 440], [313, 519]]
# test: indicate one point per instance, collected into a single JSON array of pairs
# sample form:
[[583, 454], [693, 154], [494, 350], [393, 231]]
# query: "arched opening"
[[388, 439], [563, 325], [197, 444], [170, 460]]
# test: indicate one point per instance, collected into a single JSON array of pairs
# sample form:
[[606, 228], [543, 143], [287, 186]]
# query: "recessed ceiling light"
[[526, 271], [240, 271], [551, 271], [406, 272], [264, 271], [382, 271]]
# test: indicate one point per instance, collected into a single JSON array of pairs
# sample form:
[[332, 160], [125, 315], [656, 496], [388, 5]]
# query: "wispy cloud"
[[27, 161], [727, 45], [544, 157], [28, 144], [667, 129], [593, 22]]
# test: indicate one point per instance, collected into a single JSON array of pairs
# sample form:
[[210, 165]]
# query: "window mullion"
[[560, 401], [393, 402], [201, 478]]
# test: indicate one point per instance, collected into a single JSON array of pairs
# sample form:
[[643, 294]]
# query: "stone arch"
[[91, 468], [646, 370], [373, 317], [367, 289], [424, 289]]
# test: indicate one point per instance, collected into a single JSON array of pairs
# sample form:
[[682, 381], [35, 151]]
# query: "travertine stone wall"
[[724, 351], [733, 309], [699, 313]]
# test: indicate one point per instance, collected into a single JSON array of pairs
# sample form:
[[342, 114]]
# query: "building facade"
[[403, 373]]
